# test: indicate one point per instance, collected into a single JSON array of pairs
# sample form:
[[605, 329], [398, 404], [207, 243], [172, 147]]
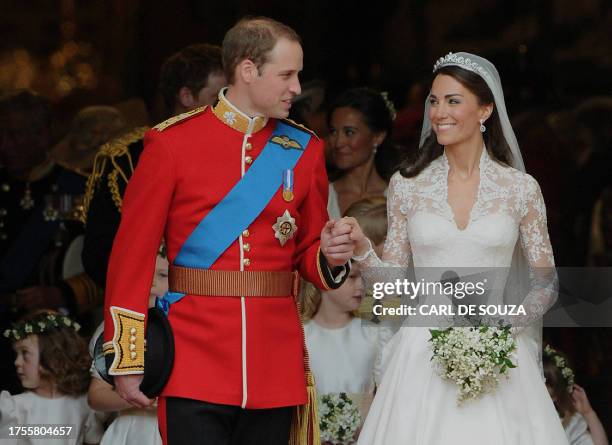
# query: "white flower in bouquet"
[[474, 358], [339, 418]]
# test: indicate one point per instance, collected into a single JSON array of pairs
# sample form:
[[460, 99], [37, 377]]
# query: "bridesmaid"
[[360, 123]]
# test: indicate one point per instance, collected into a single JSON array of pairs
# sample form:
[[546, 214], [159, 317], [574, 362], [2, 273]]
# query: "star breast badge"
[[285, 228]]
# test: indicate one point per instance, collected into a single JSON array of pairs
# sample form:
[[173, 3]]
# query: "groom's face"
[[276, 83]]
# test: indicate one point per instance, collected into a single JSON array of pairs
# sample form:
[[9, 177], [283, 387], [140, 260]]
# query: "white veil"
[[518, 280]]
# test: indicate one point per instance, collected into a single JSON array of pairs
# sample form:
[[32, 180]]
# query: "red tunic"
[[236, 351]]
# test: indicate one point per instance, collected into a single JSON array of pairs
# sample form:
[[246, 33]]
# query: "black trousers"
[[193, 422]]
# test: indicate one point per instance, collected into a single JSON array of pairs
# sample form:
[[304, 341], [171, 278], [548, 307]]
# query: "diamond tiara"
[[463, 62]]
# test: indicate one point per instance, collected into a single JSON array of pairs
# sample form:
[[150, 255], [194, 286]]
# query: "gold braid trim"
[[113, 186], [305, 422], [119, 147], [92, 181], [181, 117], [128, 342], [109, 151], [301, 127]]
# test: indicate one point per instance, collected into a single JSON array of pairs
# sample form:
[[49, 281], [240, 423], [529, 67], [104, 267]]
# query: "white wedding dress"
[[414, 405]]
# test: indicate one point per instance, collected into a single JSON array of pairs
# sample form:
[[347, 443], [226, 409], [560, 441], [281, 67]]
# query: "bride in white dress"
[[461, 204]]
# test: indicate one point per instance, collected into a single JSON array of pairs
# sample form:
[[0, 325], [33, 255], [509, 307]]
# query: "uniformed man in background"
[[189, 79]]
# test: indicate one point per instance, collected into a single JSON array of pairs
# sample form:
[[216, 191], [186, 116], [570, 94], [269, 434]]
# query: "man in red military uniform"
[[239, 363]]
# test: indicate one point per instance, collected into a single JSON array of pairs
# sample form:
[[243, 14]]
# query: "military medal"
[[285, 228], [288, 185]]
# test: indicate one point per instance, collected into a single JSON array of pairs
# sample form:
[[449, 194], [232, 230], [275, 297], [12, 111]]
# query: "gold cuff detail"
[[128, 342]]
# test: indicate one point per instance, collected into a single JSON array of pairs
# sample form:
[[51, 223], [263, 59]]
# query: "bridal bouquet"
[[474, 358], [339, 418]]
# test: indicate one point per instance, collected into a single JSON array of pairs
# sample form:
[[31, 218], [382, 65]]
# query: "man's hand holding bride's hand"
[[336, 242], [362, 245]]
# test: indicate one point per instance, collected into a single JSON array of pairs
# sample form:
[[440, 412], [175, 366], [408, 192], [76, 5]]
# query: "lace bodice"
[[509, 207]]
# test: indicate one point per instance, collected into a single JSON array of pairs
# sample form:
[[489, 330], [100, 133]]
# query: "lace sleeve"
[[542, 283], [533, 228], [397, 251]]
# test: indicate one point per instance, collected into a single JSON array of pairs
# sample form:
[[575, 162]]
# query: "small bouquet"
[[474, 358], [339, 418]]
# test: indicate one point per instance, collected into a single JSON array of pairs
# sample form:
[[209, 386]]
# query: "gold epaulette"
[[179, 118], [301, 127], [109, 151], [119, 146]]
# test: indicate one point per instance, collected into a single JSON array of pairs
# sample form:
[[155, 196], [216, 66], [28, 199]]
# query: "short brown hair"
[[190, 67], [253, 38]]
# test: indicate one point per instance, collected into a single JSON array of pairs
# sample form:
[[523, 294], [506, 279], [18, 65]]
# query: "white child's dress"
[[577, 431], [133, 426], [347, 359], [31, 409]]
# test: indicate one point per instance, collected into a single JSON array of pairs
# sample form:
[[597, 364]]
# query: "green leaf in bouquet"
[[435, 333]]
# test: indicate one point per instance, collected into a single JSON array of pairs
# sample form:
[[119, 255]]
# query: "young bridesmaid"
[[345, 355], [52, 365], [580, 421]]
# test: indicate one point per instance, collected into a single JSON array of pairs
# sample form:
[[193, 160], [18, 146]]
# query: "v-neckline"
[[476, 199]]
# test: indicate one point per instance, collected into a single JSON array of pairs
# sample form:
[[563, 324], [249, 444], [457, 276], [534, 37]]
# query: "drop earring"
[[482, 127]]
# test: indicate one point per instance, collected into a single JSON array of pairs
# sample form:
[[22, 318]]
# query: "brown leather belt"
[[220, 283]]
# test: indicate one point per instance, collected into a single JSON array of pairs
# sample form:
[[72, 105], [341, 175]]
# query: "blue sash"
[[242, 205]]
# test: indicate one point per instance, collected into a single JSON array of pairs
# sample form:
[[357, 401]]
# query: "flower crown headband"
[[389, 104], [39, 325], [559, 361]]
